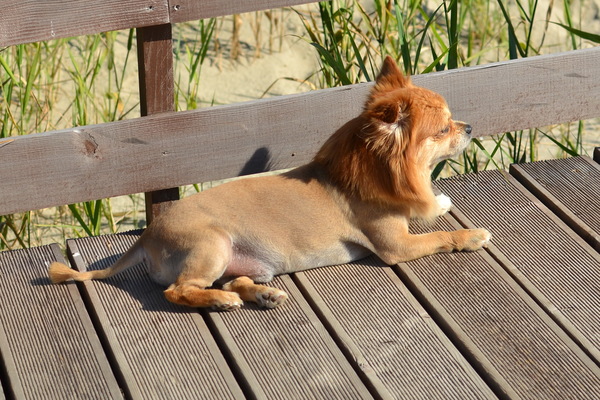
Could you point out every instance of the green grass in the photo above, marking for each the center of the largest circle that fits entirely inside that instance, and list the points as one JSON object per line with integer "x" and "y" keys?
{"x": 93, "y": 79}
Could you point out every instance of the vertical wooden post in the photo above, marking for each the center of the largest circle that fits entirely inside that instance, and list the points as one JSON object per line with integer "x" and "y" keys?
{"x": 157, "y": 88}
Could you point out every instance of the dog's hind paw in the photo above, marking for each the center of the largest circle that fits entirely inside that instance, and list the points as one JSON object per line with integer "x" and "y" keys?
{"x": 264, "y": 296}
{"x": 231, "y": 304}
{"x": 270, "y": 297}
{"x": 444, "y": 203}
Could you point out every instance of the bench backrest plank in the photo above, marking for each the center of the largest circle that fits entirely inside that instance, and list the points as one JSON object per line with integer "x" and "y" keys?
{"x": 177, "y": 148}
{"x": 189, "y": 10}
{"x": 26, "y": 21}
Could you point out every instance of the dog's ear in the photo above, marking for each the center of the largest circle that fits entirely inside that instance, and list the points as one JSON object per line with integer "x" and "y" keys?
{"x": 388, "y": 112}
{"x": 391, "y": 74}
{"x": 389, "y": 108}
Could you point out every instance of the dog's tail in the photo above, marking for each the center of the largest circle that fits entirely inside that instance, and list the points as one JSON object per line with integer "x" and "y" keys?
{"x": 60, "y": 272}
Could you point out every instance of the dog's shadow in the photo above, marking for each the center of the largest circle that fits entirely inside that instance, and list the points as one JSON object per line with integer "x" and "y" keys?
{"x": 260, "y": 161}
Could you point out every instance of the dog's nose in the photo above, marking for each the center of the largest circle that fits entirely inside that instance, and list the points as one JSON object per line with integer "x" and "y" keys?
{"x": 468, "y": 129}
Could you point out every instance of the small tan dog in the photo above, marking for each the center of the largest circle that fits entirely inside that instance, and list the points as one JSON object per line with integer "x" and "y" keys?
{"x": 355, "y": 198}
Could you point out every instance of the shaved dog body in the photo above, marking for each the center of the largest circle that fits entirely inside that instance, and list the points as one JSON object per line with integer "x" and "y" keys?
{"x": 355, "y": 198}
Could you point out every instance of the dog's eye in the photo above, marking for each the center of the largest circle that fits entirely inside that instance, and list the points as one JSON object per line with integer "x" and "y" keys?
{"x": 445, "y": 130}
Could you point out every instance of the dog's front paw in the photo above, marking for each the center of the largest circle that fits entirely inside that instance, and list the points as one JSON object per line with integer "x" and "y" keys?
{"x": 444, "y": 203}
{"x": 473, "y": 239}
{"x": 270, "y": 297}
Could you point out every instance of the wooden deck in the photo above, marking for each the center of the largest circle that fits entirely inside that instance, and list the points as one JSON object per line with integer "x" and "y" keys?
{"x": 519, "y": 320}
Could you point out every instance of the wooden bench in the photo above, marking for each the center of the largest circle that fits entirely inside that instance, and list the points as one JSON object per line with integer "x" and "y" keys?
{"x": 519, "y": 320}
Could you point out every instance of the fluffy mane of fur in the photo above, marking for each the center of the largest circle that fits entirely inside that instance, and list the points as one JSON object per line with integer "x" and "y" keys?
{"x": 375, "y": 156}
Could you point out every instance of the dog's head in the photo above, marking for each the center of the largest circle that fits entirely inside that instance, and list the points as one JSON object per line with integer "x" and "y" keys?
{"x": 411, "y": 120}
{"x": 386, "y": 154}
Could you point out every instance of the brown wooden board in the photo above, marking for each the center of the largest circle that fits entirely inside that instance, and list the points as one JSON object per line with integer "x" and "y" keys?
{"x": 570, "y": 188}
{"x": 393, "y": 342}
{"x": 157, "y": 93}
{"x": 188, "y": 10}
{"x": 286, "y": 353}
{"x": 511, "y": 340}
{"x": 171, "y": 149}
{"x": 138, "y": 156}
{"x": 159, "y": 350}
{"x": 48, "y": 346}
{"x": 24, "y": 21}
{"x": 558, "y": 268}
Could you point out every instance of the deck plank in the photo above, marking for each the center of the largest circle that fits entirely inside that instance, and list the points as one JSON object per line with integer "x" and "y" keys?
{"x": 47, "y": 341}
{"x": 379, "y": 324}
{"x": 570, "y": 188}
{"x": 160, "y": 350}
{"x": 555, "y": 265}
{"x": 515, "y": 345}
{"x": 286, "y": 353}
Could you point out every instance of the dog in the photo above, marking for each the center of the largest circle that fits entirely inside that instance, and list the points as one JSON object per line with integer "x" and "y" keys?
{"x": 354, "y": 198}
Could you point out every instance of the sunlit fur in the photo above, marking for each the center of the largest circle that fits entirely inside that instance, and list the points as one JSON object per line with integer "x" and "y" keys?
{"x": 386, "y": 154}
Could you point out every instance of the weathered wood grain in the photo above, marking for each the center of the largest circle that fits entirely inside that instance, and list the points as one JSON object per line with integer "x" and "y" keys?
{"x": 49, "y": 348}
{"x": 159, "y": 350}
{"x": 188, "y": 10}
{"x": 173, "y": 149}
{"x": 25, "y": 21}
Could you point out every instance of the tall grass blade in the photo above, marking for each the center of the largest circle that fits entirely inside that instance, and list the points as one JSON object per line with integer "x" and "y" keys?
{"x": 592, "y": 37}
{"x": 513, "y": 43}
{"x": 337, "y": 67}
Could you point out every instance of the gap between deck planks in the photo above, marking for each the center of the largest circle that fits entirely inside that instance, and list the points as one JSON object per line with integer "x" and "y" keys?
{"x": 158, "y": 350}
{"x": 570, "y": 188}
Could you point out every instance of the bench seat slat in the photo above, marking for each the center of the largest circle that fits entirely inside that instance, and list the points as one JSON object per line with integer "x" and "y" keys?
{"x": 161, "y": 350}
{"x": 512, "y": 340}
{"x": 47, "y": 340}
{"x": 287, "y": 353}
{"x": 395, "y": 343}
{"x": 558, "y": 267}
{"x": 570, "y": 188}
